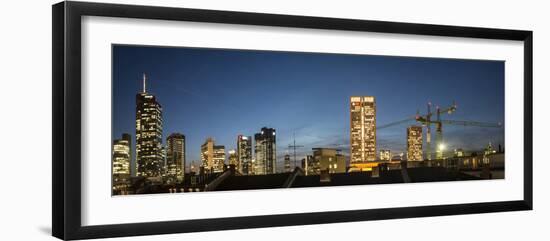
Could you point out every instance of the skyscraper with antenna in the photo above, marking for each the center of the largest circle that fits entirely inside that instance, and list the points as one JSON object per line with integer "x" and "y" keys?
{"x": 149, "y": 154}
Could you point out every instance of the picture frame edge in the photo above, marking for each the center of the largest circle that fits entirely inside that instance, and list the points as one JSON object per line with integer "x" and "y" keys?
{"x": 66, "y": 109}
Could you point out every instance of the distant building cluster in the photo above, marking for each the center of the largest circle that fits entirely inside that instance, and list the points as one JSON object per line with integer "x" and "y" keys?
{"x": 166, "y": 164}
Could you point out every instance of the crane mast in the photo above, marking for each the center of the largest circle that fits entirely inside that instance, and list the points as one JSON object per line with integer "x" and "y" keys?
{"x": 294, "y": 146}
{"x": 427, "y": 121}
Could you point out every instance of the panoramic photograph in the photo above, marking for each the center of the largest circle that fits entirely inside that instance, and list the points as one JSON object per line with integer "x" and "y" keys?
{"x": 204, "y": 119}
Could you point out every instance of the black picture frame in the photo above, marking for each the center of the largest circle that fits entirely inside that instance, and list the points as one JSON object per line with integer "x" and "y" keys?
{"x": 66, "y": 127}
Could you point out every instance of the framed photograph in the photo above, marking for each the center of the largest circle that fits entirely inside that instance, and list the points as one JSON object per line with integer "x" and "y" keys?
{"x": 170, "y": 120}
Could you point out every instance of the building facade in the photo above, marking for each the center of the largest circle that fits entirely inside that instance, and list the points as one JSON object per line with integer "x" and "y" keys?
{"x": 265, "y": 151}
{"x": 244, "y": 155}
{"x": 414, "y": 143}
{"x": 232, "y": 159}
{"x": 385, "y": 155}
{"x": 287, "y": 163}
{"x": 330, "y": 160}
{"x": 175, "y": 156}
{"x": 458, "y": 152}
{"x": 121, "y": 158}
{"x": 310, "y": 165}
{"x": 149, "y": 156}
{"x": 212, "y": 156}
{"x": 362, "y": 129}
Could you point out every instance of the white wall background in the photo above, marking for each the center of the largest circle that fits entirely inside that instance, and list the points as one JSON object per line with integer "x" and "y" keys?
{"x": 25, "y": 119}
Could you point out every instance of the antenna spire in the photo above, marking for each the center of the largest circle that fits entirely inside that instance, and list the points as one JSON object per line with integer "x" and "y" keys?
{"x": 144, "y": 83}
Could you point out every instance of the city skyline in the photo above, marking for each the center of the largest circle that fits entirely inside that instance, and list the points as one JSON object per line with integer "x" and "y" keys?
{"x": 318, "y": 103}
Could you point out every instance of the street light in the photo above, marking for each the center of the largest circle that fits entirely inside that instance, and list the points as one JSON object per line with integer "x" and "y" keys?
{"x": 441, "y": 149}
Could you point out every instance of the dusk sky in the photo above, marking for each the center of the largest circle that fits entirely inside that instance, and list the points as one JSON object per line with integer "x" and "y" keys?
{"x": 222, "y": 93}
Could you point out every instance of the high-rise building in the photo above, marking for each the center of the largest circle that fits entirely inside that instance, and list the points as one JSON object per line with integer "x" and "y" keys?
{"x": 362, "y": 129}
{"x": 218, "y": 158}
{"x": 212, "y": 156}
{"x": 385, "y": 155}
{"x": 310, "y": 166}
{"x": 122, "y": 155}
{"x": 330, "y": 160}
{"x": 163, "y": 168}
{"x": 175, "y": 156}
{"x": 287, "y": 163}
{"x": 149, "y": 156}
{"x": 244, "y": 154}
{"x": 252, "y": 167}
{"x": 233, "y": 160}
{"x": 265, "y": 150}
{"x": 414, "y": 143}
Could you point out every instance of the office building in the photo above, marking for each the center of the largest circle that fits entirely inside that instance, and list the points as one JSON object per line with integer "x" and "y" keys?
{"x": 385, "y": 155}
{"x": 414, "y": 143}
{"x": 265, "y": 151}
{"x": 362, "y": 129}
{"x": 232, "y": 159}
{"x": 175, "y": 156}
{"x": 121, "y": 158}
{"x": 212, "y": 156}
{"x": 287, "y": 163}
{"x": 244, "y": 155}
{"x": 329, "y": 160}
{"x": 149, "y": 156}
{"x": 310, "y": 165}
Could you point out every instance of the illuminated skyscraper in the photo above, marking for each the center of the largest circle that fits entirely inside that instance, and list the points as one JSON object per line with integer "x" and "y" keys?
{"x": 287, "y": 163}
{"x": 362, "y": 129}
{"x": 233, "y": 160}
{"x": 244, "y": 154}
{"x": 218, "y": 158}
{"x": 414, "y": 143}
{"x": 265, "y": 150}
{"x": 385, "y": 155}
{"x": 212, "y": 156}
{"x": 122, "y": 156}
{"x": 149, "y": 156}
{"x": 175, "y": 156}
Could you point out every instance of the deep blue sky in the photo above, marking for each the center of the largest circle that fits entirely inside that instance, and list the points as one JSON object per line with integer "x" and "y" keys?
{"x": 222, "y": 93}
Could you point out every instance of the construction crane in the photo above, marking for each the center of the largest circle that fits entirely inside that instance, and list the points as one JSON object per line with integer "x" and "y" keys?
{"x": 409, "y": 119}
{"x": 448, "y": 110}
{"x": 294, "y": 146}
{"x": 471, "y": 123}
{"x": 427, "y": 120}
